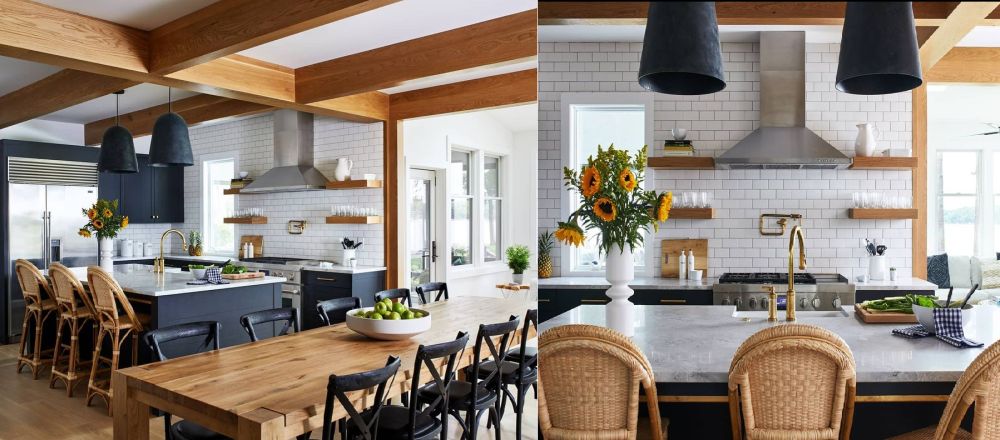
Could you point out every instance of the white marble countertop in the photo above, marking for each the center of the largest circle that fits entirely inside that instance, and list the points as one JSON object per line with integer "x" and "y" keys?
{"x": 899, "y": 284}
{"x": 706, "y": 284}
{"x": 140, "y": 280}
{"x": 695, "y": 344}
{"x": 336, "y": 268}
{"x": 200, "y": 259}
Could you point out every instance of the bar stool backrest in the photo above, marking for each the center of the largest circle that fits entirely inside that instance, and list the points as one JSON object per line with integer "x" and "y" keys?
{"x": 69, "y": 291}
{"x": 980, "y": 384}
{"x": 34, "y": 287}
{"x": 108, "y": 296}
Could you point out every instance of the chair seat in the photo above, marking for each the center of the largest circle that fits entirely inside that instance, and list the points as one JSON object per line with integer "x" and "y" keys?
{"x": 514, "y": 354}
{"x": 508, "y": 372}
{"x": 47, "y": 304}
{"x": 79, "y": 314}
{"x": 928, "y": 434}
{"x": 459, "y": 394}
{"x": 394, "y": 423}
{"x": 185, "y": 430}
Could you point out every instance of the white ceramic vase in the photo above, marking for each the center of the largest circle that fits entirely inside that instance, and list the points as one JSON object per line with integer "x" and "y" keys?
{"x": 866, "y": 143}
{"x": 620, "y": 312}
{"x": 105, "y": 251}
{"x": 877, "y": 268}
{"x": 343, "y": 170}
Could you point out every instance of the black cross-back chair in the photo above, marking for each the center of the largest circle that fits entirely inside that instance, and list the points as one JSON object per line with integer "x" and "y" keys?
{"x": 519, "y": 370}
{"x": 362, "y": 424}
{"x": 402, "y": 294}
{"x": 478, "y": 397}
{"x": 334, "y": 311}
{"x": 288, "y": 315}
{"x": 410, "y": 422}
{"x": 436, "y": 289}
{"x": 185, "y": 430}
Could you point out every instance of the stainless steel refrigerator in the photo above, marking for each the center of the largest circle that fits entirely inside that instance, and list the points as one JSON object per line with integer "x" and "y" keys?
{"x": 45, "y": 213}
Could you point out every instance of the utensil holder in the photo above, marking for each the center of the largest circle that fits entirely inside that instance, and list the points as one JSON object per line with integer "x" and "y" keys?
{"x": 349, "y": 255}
{"x": 877, "y": 268}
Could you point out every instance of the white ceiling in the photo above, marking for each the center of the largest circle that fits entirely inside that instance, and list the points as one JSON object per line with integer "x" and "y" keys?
{"x": 982, "y": 36}
{"x": 465, "y": 75}
{"x": 387, "y": 25}
{"x": 135, "y": 98}
{"x": 634, "y": 33}
{"x": 516, "y": 118}
{"x": 15, "y": 73}
{"x": 139, "y": 14}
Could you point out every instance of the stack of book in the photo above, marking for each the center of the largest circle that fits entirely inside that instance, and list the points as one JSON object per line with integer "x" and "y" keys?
{"x": 239, "y": 183}
{"x": 678, "y": 148}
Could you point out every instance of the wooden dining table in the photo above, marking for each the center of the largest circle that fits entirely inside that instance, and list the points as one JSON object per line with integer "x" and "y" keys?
{"x": 276, "y": 388}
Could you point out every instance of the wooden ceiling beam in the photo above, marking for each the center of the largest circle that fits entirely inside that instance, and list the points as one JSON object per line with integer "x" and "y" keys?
{"x": 56, "y": 92}
{"x": 961, "y": 21}
{"x": 494, "y": 42}
{"x": 229, "y": 26}
{"x": 967, "y": 65}
{"x": 493, "y": 91}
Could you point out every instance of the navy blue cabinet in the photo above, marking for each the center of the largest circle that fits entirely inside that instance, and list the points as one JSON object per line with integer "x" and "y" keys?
{"x": 320, "y": 286}
{"x": 152, "y": 195}
{"x": 554, "y": 302}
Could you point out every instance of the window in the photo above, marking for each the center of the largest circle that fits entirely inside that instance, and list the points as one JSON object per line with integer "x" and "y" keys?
{"x": 492, "y": 209}
{"x": 219, "y": 238}
{"x": 460, "y": 194}
{"x": 957, "y": 201}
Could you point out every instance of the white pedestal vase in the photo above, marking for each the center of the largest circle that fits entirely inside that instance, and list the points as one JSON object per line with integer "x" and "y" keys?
{"x": 106, "y": 250}
{"x": 620, "y": 312}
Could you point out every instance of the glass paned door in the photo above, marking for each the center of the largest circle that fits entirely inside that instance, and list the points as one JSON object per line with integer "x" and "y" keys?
{"x": 422, "y": 245}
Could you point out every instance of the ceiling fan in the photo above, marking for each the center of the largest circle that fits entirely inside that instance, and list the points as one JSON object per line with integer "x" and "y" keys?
{"x": 995, "y": 127}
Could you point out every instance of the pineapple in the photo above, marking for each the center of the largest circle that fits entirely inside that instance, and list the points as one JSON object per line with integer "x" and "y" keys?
{"x": 545, "y": 244}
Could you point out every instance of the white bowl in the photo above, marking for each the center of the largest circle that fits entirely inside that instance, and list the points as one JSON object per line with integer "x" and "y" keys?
{"x": 199, "y": 274}
{"x": 925, "y": 315}
{"x": 388, "y": 329}
{"x": 244, "y": 174}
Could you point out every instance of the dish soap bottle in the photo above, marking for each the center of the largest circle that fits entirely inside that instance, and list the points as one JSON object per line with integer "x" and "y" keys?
{"x": 682, "y": 272}
{"x": 690, "y": 261}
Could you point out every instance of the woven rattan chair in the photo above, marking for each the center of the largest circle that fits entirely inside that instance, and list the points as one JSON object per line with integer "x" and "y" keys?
{"x": 613, "y": 369}
{"x": 980, "y": 384}
{"x": 39, "y": 306}
{"x": 75, "y": 312}
{"x": 792, "y": 382}
{"x": 113, "y": 327}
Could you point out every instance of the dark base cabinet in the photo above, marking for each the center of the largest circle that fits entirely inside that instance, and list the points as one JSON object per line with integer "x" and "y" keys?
{"x": 554, "y": 302}
{"x": 320, "y": 286}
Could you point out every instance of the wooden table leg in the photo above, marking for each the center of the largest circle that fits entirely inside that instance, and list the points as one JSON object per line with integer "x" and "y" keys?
{"x": 261, "y": 424}
{"x": 131, "y": 415}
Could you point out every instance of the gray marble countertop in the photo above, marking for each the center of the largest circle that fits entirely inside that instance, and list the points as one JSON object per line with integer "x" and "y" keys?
{"x": 695, "y": 344}
{"x": 706, "y": 284}
{"x": 140, "y": 280}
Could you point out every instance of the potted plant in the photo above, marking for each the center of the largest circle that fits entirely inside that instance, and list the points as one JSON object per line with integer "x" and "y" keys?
{"x": 614, "y": 203}
{"x": 103, "y": 219}
{"x": 195, "y": 244}
{"x": 517, "y": 260}
{"x": 545, "y": 244}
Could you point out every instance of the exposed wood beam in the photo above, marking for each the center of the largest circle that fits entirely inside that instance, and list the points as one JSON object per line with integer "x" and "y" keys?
{"x": 502, "y": 40}
{"x": 967, "y": 65}
{"x": 960, "y": 22}
{"x": 194, "y": 110}
{"x": 919, "y": 144}
{"x": 923, "y": 33}
{"x": 229, "y": 26}
{"x": 56, "y": 92}
{"x": 391, "y": 146}
{"x": 493, "y": 91}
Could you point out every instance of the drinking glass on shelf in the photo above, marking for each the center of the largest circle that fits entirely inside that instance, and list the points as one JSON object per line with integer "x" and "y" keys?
{"x": 703, "y": 200}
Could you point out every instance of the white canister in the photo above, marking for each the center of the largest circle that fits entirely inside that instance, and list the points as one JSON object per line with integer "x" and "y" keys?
{"x": 127, "y": 247}
{"x": 149, "y": 250}
{"x": 877, "y": 269}
{"x": 138, "y": 248}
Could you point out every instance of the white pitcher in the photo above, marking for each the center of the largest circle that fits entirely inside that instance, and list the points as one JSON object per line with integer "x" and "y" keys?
{"x": 867, "y": 141}
{"x": 343, "y": 171}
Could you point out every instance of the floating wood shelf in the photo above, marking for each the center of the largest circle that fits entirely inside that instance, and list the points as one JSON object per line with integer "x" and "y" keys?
{"x": 882, "y": 214}
{"x": 360, "y": 220}
{"x": 231, "y": 191}
{"x": 246, "y": 220}
{"x": 884, "y": 163}
{"x": 354, "y": 184}
{"x": 682, "y": 163}
{"x": 692, "y": 213}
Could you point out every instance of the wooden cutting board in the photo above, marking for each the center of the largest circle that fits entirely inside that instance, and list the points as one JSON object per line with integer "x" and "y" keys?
{"x": 242, "y": 276}
{"x": 670, "y": 251}
{"x": 258, "y": 245}
{"x": 875, "y": 317}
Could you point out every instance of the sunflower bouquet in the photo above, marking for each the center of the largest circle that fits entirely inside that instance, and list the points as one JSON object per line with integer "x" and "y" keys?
{"x": 103, "y": 220}
{"x": 613, "y": 200}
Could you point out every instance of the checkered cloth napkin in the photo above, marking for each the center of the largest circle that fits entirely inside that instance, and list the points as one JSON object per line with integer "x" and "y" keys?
{"x": 212, "y": 276}
{"x": 948, "y": 326}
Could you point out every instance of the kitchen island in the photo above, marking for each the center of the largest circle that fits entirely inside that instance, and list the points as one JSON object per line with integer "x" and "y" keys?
{"x": 902, "y": 383}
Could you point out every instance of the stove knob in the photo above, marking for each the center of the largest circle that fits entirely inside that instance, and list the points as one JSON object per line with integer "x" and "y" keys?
{"x": 291, "y": 276}
{"x": 753, "y": 303}
{"x": 816, "y": 303}
{"x": 739, "y": 302}
{"x": 764, "y": 303}
{"x": 803, "y": 303}
{"x": 836, "y": 302}
{"x": 725, "y": 301}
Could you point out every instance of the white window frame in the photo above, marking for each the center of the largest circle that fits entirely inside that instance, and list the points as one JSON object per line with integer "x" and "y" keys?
{"x": 501, "y": 191}
{"x": 203, "y": 208}
{"x": 566, "y": 202}
{"x": 474, "y": 253}
{"x": 985, "y": 199}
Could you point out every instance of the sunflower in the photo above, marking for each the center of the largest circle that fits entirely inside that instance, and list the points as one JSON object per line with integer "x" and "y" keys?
{"x": 569, "y": 233}
{"x": 626, "y": 179}
{"x": 605, "y": 209}
{"x": 107, "y": 213}
{"x": 663, "y": 207}
{"x": 91, "y": 213}
{"x": 590, "y": 182}
{"x": 84, "y": 233}
{"x": 124, "y": 222}
{"x": 98, "y": 224}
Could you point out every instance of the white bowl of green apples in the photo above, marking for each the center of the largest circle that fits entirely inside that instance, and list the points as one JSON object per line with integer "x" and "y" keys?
{"x": 389, "y": 321}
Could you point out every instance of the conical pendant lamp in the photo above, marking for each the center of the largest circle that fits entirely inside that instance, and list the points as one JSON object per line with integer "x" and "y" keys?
{"x": 878, "y": 49}
{"x": 117, "y": 149}
{"x": 170, "y": 145}
{"x": 681, "y": 54}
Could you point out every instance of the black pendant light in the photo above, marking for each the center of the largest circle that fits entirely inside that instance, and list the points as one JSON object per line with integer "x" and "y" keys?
{"x": 878, "y": 49}
{"x": 117, "y": 149}
{"x": 170, "y": 145}
{"x": 680, "y": 52}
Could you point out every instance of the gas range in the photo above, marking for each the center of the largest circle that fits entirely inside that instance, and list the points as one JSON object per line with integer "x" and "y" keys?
{"x": 820, "y": 292}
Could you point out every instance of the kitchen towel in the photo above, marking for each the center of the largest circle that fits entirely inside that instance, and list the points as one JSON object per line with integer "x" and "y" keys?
{"x": 212, "y": 276}
{"x": 948, "y": 323}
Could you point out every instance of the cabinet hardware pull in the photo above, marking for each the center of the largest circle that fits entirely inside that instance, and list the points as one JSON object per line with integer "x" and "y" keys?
{"x": 325, "y": 279}
{"x": 673, "y": 301}
{"x": 543, "y": 300}
{"x": 593, "y": 301}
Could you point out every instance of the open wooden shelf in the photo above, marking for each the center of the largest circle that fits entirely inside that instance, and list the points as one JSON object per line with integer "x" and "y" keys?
{"x": 692, "y": 213}
{"x": 682, "y": 163}
{"x": 231, "y": 191}
{"x": 353, "y": 184}
{"x": 883, "y": 163}
{"x": 360, "y": 220}
{"x": 245, "y": 220}
{"x": 882, "y": 214}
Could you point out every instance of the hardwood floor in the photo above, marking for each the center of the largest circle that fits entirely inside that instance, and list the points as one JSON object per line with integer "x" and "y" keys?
{"x": 29, "y": 410}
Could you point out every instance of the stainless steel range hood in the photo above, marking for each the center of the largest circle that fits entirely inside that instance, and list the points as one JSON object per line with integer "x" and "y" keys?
{"x": 293, "y": 157}
{"x": 782, "y": 141}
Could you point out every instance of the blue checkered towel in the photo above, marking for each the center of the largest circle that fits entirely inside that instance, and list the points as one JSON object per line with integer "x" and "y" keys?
{"x": 948, "y": 326}
{"x": 212, "y": 276}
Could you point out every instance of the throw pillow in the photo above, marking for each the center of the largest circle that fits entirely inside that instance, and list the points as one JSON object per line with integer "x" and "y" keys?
{"x": 937, "y": 271}
{"x": 991, "y": 275}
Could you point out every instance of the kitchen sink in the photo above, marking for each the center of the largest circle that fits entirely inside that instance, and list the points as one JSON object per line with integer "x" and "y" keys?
{"x": 762, "y": 314}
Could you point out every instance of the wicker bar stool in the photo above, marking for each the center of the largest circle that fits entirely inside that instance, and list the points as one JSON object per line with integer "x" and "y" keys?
{"x": 112, "y": 327}
{"x": 980, "y": 384}
{"x": 792, "y": 382}
{"x": 39, "y": 306}
{"x": 75, "y": 312}
{"x": 613, "y": 369}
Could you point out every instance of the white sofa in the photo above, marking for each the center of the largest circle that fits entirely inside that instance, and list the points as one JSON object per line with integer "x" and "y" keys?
{"x": 965, "y": 272}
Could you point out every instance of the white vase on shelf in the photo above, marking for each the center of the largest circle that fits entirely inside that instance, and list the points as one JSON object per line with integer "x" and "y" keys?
{"x": 867, "y": 141}
{"x": 105, "y": 251}
{"x": 620, "y": 270}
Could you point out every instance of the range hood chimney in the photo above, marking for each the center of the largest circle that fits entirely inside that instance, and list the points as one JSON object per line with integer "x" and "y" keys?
{"x": 293, "y": 157}
{"x": 783, "y": 141}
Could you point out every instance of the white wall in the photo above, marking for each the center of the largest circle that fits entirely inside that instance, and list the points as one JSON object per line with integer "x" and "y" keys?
{"x": 38, "y": 130}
